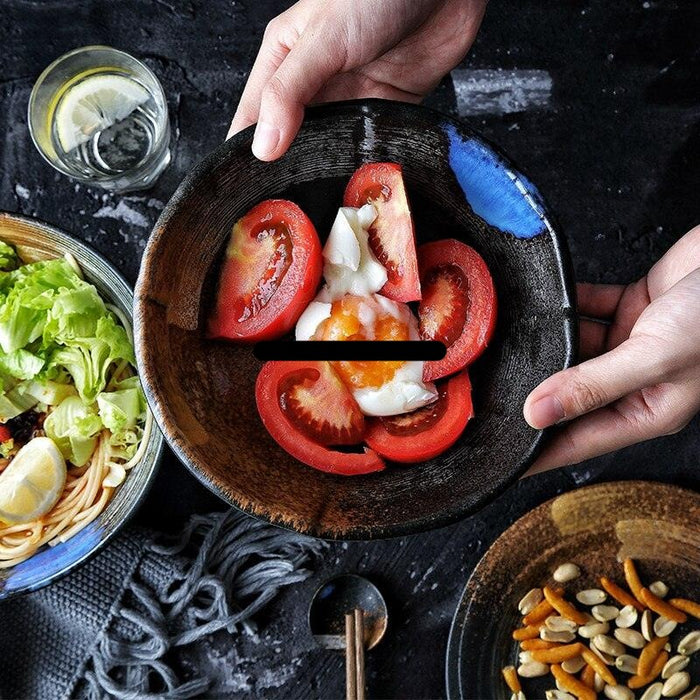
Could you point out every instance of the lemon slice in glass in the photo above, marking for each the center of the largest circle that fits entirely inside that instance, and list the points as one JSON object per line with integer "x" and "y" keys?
{"x": 33, "y": 481}
{"x": 94, "y": 104}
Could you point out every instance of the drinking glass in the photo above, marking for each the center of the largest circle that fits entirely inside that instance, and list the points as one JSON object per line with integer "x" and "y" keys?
{"x": 100, "y": 116}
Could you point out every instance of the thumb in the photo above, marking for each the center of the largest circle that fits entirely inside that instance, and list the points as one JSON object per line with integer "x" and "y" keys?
{"x": 303, "y": 72}
{"x": 568, "y": 394}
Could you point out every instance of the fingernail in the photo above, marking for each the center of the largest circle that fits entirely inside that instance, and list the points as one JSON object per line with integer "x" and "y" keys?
{"x": 265, "y": 140}
{"x": 545, "y": 412}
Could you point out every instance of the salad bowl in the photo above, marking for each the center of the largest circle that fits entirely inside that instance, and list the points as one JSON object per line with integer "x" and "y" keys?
{"x": 34, "y": 241}
{"x": 202, "y": 391}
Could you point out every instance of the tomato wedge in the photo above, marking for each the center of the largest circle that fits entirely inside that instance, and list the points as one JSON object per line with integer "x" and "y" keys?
{"x": 428, "y": 431}
{"x": 306, "y": 409}
{"x": 271, "y": 272}
{"x": 458, "y": 305}
{"x": 391, "y": 236}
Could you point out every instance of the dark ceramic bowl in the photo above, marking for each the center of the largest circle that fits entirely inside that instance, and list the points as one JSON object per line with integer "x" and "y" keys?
{"x": 202, "y": 392}
{"x": 597, "y": 527}
{"x": 34, "y": 241}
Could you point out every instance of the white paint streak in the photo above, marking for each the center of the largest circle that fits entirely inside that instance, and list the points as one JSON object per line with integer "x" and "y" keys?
{"x": 277, "y": 677}
{"x": 427, "y": 573}
{"x": 497, "y": 91}
{"x": 22, "y": 191}
{"x": 122, "y": 212}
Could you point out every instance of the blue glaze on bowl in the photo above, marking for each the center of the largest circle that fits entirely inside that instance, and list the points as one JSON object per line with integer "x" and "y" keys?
{"x": 487, "y": 182}
{"x": 31, "y": 573}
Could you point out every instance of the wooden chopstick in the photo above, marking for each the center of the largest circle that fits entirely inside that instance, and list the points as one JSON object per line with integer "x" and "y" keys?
{"x": 350, "y": 658}
{"x": 360, "y": 654}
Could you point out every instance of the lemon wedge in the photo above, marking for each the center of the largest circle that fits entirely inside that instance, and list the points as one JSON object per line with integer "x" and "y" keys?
{"x": 33, "y": 481}
{"x": 94, "y": 104}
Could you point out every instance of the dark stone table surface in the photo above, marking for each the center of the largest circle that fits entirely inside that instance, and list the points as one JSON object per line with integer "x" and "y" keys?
{"x": 615, "y": 148}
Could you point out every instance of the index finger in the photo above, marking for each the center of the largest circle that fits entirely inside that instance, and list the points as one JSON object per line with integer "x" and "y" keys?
{"x": 270, "y": 56}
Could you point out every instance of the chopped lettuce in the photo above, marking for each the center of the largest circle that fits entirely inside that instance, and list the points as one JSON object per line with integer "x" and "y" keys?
{"x": 8, "y": 257}
{"x": 121, "y": 412}
{"x": 74, "y": 425}
{"x": 74, "y": 315}
{"x": 15, "y": 402}
{"x": 120, "y": 409}
{"x": 89, "y": 359}
{"x": 59, "y": 346}
{"x": 49, "y": 393}
{"x": 30, "y": 292}
{"x": 21, "y": 364}
{"x": 6, "y": 448}
{"x": 124, "y": 443}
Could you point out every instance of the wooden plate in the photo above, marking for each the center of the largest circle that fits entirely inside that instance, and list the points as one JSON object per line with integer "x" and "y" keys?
{"x": 657, "y": 525}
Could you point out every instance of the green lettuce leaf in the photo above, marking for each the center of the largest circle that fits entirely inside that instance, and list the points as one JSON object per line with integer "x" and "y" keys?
{"x": 21, "y": 364}
{"x": 74, "y": 315}
{"x": 15, "y": 401}
{"x": 125, "y": 442}
{"x": 121, "y": 412}
{"x": 121, "y": 409}
{"x": 88, "y": 359}
{"x": 49, "y": 392}
{"x": 29, "y": 294}
{"x": 74, "y": 425}
{"x": 8, "y": 257}
{"x": 6, "y": 448}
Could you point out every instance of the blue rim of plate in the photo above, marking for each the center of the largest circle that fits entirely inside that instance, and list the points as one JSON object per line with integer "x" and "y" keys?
{"x": 51, "y": 563}
{"x": 542, "y": 222}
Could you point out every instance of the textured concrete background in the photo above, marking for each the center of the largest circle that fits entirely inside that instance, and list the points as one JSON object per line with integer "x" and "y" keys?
{"x": 598, "y": 102}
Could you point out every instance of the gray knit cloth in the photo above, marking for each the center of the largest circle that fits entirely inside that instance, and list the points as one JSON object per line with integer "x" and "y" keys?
{"x": 112, "y": 628}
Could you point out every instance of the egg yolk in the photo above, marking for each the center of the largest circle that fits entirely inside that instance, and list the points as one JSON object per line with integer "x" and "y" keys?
{"x": 363, "y": 318}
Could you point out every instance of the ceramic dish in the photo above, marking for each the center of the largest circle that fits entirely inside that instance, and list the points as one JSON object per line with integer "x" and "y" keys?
{"x": 35, "y": 240}
{"x": 596, "y": 527}
{"x": 202, "y": 392}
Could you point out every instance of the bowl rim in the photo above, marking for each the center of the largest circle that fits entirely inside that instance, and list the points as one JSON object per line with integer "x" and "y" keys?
{"x": 84, "y": 251}
{"x": 361, "y": 107}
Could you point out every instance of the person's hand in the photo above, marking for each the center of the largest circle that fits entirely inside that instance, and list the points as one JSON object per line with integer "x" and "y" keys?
{"x": 643, "y": 376}
{"x": 321, "y": 51}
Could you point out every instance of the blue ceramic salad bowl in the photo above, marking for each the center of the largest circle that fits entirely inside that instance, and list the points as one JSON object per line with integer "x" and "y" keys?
{"x": 38, "y": 241}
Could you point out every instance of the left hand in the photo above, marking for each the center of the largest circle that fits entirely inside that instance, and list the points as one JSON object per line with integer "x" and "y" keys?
{"x": 641, "y": 377}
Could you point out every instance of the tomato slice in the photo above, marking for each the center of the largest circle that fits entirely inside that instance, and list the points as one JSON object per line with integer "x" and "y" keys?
{"x": 306, "y": 408}
{"x": 270, "y": 274}
{"x": 5, "y": 433}
{"x": 428, "y": 431}
{"x": 391, "y": 236}
{"x": 458, "y": 305}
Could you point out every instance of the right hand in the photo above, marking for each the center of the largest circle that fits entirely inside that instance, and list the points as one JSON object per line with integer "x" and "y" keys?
{"x": 321, "y": 51}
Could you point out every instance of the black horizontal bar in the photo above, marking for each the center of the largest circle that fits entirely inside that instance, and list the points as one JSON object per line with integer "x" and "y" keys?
{"x": 352, "y": 351}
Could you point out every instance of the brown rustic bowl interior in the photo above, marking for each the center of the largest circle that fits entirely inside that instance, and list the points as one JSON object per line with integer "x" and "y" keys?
{"x": 202, "y": 392}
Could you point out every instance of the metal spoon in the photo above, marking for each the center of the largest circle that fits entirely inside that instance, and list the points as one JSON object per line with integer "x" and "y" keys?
{"x": 337, "y": 598}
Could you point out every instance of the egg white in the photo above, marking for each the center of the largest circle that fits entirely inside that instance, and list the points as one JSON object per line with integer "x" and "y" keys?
{"x": 350, "y": 267}
{"x": 404, "y": 392}
{"x": 312, "y": 317}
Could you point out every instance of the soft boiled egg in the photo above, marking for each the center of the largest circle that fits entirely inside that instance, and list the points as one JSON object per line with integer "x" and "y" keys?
{"x": 381, "y": 388}
{"x": 349, "y": 308}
